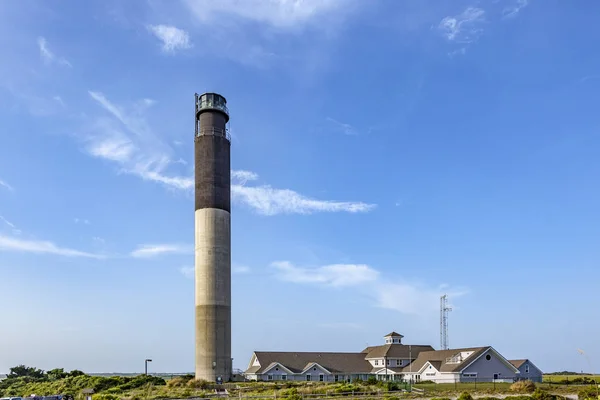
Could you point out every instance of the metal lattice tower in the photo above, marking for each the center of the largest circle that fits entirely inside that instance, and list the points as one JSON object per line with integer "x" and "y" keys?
{"x": 444, "y": 309}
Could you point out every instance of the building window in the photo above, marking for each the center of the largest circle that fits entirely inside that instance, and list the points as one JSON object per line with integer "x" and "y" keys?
{"x": 488, "y": 357}
{"x": 283, "y": 377}
{"x": 527, "y": 369}
{"x": 277, "y": 369}
{"x": 270, "y": 377}
{"x": 321, "y": 377}
{"x": 398, "y": 362}
{"x": 388, "y": 363}
{"x": 308, "y": 377}
{"x": 470, "y": 374}
{"x": 336, "y": 378}
{"x": 376, "y": 362}
{"x": 314, "y": 369}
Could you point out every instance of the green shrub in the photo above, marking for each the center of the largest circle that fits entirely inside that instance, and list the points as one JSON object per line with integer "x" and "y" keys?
{"x": 372, "y": 381}
{"x": 465, "y": 396}
{"x": 588, "y": 393}
{"x": 198, "y": 384}
{"x": 523, "y": 387}
{"x": 441, "y": 398}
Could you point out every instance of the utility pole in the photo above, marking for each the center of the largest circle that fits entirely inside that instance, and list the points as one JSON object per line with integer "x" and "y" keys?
{"x": 146, "y": 361}
{"x": 444, "y": 308}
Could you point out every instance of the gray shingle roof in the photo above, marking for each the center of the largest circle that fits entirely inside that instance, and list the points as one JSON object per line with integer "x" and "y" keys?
{"x": 298, "y": 361}
{"x": 517, "y": 363}
{"x": 396, "y": 351}
{"x": 438, "y": 359}
{"x": 393, "y": 334}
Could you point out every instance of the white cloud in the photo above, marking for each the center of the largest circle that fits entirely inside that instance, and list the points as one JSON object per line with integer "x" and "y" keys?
{"x": 336, "y": 275}
{"x": 276, "y": 13}
{"x": 128, "y": 141}
{"x": 242, "y": 176}
{"x": 346, "y": 129}
{"x": 464, "y": 27}
{"x": 240, "y": 269}
{"x": 48, "y": 56}
{"x": 404, "y": 297}
{"x": 5, "y": 185}
{"x": 98, "y": 240}
{"x": 82, "y": 221}
{"x": 514, "y": 9}
{"x": 154, "y": 250}
{"x": 42, "y": 247}
{"x": 10, "y": 225}
{"x": 172, "y": 38}
{"x": 269, "y": 201}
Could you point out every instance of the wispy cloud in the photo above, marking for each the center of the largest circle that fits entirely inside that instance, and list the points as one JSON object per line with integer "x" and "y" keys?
{"x": 48, "y": 56}
{"x": 172, "y": 38}
{"x": 270, "y": 201}
{"x": 240, "y": 269}
{"x": 276, "y": 13}
{"x": 127, "y": 140}
{"x": 82, "y": 221}
{"x": 346, "y": 129}
{"x": 405, "y": 297}
{"x": 15, "y": 230}
{"x": 514, "y": 9}
{"x": 41, "y": 247}
{"x": 242, "y": 176}
{"x": 5, "y": 185}
{"x": 155, "y": 250}
{"x": 464, "y": 27}
{"x": 335, "y": 275}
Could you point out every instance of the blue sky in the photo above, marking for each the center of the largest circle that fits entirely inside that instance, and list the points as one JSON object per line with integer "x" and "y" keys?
{"x": 384, "y": 153}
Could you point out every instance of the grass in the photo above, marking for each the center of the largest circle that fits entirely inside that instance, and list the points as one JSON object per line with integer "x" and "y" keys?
{"x": 112, "y": 387}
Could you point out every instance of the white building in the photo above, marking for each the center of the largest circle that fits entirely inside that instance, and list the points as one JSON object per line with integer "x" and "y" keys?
{"x": 392, "y": 361}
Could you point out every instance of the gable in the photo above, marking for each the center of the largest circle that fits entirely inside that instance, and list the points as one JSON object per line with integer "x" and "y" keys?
{"x": 489, "y": 363}
{"x": 276, "y": 368}
{"x": 315, "y": 368}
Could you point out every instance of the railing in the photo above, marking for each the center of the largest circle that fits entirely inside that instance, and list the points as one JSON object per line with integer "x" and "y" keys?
{"x": 454, "y": 360}
{"x": 208, "y": 131}
{"x": 212, "y": 105}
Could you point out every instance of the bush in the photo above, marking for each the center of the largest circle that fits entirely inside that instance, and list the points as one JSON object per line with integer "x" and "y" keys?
{"x": 179, "y": 381}
{"x": 372, "y": 381}
{"x": 589, "y": 393}
{"x": 465, "y": 396}
{"x": 441, "y": 398}
{"x": 523, "y": 387}
{"x": 198, "y": 384}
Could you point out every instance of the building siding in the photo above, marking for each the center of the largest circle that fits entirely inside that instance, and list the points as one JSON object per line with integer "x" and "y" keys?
{"x": 486, "y": 369}
{"x": 534, "y": 374}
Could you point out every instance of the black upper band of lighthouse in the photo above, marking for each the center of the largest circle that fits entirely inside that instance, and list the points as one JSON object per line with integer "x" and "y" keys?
{"x": 212, "y": 153}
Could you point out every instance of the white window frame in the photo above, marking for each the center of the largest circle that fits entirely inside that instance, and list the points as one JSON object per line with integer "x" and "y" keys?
{"x": 321, "y": 377}
{"x": 308, "y": 377}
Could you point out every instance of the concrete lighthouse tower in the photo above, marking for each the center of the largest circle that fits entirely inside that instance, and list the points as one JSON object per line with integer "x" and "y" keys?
{"x": 212, "y": 238}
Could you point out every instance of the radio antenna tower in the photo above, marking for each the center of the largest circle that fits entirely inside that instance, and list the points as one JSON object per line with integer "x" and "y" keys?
{"x": 444, "y": 308}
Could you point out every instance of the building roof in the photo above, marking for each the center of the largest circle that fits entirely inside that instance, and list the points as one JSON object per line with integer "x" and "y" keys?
{"x": 393, "y": 334}
{"x": 298, "y": 361}
{"x": 396, "y": 351}
{"x": 517, "y": 363}
{"x": 439, "y": 358}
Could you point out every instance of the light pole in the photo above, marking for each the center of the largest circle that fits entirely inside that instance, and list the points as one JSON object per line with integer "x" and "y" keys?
{"x": 146, "y": 361}
{"x": 410, "y": 368}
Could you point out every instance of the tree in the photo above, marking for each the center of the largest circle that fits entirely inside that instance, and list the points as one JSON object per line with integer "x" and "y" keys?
{"x": 56, "y": 374}
{"x": 23, "y": 371}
